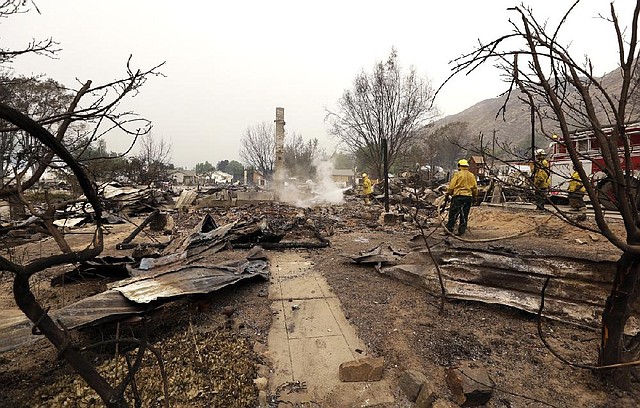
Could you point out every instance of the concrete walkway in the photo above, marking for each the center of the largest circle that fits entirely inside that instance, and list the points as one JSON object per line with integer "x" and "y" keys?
{"x": 309, "y": 339}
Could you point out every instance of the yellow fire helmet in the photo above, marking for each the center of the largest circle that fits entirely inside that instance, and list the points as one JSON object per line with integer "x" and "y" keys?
{"x": 463, "y": 163}
{"x": 364, "y": 174}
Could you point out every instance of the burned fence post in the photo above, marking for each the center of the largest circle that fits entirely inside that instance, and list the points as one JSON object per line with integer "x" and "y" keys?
{"x": 136, "y": 231}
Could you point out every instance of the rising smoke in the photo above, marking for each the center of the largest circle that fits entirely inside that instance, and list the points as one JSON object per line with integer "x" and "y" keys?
{"x": 321, "y": 190}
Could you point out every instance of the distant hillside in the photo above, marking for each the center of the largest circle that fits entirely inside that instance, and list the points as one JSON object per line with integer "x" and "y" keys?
{"x": 515, "y": 126}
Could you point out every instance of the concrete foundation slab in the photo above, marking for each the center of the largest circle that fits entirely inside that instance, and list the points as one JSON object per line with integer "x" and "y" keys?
{"x": 309, "y": 319}
{"x": 250, "y": 196}
{"x": 309, "y": 339}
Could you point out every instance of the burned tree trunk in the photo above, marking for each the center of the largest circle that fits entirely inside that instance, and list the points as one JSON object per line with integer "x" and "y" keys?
{"x": 16, "y": 207}
{"x": 614, "y": 319}
{"x": 59, "y": 338}
{"x": 111, "y": 396}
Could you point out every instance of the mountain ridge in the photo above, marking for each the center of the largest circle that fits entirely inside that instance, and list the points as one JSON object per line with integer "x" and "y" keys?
{"x": 513, "y": 126}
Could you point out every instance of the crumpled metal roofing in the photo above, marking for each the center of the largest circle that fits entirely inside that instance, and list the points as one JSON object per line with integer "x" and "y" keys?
{"x": 188, "y": 280}
{"x": 191, "y": 271}
{"x": 15, "y": 327}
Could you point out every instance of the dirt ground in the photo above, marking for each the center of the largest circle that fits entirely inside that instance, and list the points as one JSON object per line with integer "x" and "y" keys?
{"x": 211, "y": 360}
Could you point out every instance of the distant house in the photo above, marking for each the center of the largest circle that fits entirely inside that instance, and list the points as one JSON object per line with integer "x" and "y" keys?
{"x": 253, "y": 177}
{"x": 50, "y": 177}
{"x": 259, "y": 179}
{"x": 343, "y": 177}
{"x": 221, "y": 177}
{"x": 184, "y": 177}
{"x": 478, "y": 167}
{"x": 53, "y": 176}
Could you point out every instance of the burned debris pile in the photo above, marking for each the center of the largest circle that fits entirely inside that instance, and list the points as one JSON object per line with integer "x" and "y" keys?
{"x": 192, "y": 269}
{"x": 186, "y": 262}
{"x": 182, "y": 238}
{"x": 508, "y": 275}
{"x": 119, "y": 204}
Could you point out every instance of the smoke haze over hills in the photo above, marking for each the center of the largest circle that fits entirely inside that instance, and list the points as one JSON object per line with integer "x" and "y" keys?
{"x": 514, "y": 126}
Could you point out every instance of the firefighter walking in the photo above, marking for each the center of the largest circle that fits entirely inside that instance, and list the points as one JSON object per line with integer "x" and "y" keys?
{"x": 367, "y": 188}
{"x": 541, "y": 179}
{"x": 463, "y": 190}
{"x": 576, "y": 192}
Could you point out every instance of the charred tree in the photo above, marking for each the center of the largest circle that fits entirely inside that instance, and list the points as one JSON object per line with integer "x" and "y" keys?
{"x": 23, "y": 295}
{"x": 563, "y": 90}
{"x": 41, "y": 141}
{"x": 384, "y": 104}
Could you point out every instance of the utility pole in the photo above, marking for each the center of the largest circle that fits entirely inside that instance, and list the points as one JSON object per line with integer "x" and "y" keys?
{"x": 386, "y": 174}
{"x": 533, "y": 131}
{"x": 533, "y": 111}
{"x": 493, "y": 150}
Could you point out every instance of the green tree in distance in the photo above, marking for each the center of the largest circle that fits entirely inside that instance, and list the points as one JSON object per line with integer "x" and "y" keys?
{"x": 222, "y": 165}
{"x": 236, "y": 169}
{"x": 204, "y": 168}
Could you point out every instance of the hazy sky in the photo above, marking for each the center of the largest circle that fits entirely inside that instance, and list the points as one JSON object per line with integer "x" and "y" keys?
{"x": 230, "y": 64}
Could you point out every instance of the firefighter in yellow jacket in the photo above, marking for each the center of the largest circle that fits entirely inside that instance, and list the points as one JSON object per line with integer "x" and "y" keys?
{"x": 367, "y": 188}
{"x": 463, "y": 189}
{"x": 541, "y": 179}
{"x": 576, "y": 192}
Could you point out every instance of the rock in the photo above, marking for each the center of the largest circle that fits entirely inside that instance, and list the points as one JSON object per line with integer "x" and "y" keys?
{"x": 228, "y": 310}
{"x": 262, "y": 399}
{"x": 259, "y": 347}
{"x": 594, "y": 237}
{"x": 410, "y": 383}
{"x": 579, "y": 241}
{"x": 427, "y": 396}
{"x": 388, "y": 218}
{"x": 470, "y": 384}
{"x": 364, "y": 369}
{"x": 440, "y": 403}
{"x": 262, "y": 370}
{"x": 261, "y": 383}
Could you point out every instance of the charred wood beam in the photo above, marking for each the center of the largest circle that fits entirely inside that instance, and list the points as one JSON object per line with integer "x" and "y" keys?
{"x": 139, "y": 228}
{"x": 280, "y": 245}
{"x": 159, "y": 245}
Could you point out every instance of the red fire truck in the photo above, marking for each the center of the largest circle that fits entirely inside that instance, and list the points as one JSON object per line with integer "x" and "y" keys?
{"x": 588, "y": 149}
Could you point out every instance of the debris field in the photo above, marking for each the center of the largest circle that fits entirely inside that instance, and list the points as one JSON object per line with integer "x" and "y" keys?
{"x": 194, "y": 281}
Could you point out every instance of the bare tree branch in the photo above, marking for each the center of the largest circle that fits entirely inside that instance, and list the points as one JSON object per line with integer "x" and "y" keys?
{"x": 385, "y": 104}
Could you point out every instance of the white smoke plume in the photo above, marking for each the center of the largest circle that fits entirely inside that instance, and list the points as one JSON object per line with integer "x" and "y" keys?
{"x": 321, "y": 190}
{"x": 326, "y": 189}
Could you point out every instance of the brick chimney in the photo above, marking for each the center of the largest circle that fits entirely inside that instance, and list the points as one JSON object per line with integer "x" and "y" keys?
{"x": 278, "y": 176}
